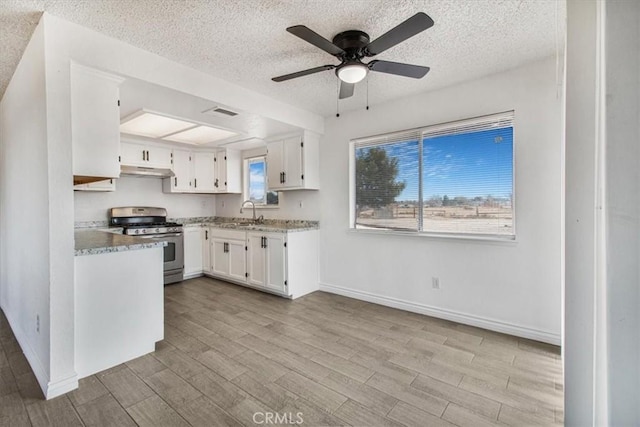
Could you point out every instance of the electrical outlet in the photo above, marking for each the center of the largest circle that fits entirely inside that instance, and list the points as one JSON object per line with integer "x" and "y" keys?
{"x": 37, "y": 323}
{"x": 435, "y": 283}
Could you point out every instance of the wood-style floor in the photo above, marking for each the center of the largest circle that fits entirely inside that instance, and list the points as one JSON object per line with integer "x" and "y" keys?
{"x": 231, "y": 352}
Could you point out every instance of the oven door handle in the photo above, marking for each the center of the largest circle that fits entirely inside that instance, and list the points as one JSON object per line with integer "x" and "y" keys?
{"x": 163, "y": 236}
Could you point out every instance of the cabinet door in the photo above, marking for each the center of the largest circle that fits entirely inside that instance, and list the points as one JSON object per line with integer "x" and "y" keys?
{"x": 219, "y": 257}
{"x": 276, "y": 262}
{"x": 133, "y": 154}
{"x": 158, "y": 157}
{"x": 192, "y": 250}
{"x": 181, "y": 182}
{"x": 292, "y": 150}
{"x": 275, "y": 165}
{"x": 237, "y": 259}
{"x": 206, "y": 250}
{"x": 95, "y": 122}
{"x": 220, "y": 182}
{"x": 203, "y": 172}
{"x": 256, "y": 259}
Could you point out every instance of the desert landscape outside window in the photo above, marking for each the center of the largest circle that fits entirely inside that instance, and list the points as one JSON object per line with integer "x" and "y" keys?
{"x": 449, "y": 179}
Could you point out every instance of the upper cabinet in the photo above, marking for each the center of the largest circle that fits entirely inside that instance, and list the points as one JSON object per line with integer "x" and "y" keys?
{"x": 228, "y": 171}
{"x": 293, "y": 163}
{"x": 145, "y": 155}
{"x": 95, "y": 121}
{"x": 205, "y": 172}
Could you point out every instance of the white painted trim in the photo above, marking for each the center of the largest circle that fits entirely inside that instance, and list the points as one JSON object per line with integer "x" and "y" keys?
{"x": 49, "y": 389}
{"x": 58, "y": 388}
{"x": 191, "y": 276}
{"x": 455, "y": 316}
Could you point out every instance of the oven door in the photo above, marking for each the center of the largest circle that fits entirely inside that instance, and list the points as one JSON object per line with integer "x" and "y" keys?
{"x": 173, "y": 255}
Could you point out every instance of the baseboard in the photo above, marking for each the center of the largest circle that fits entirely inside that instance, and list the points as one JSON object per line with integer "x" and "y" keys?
{"x": 192, "y": 276}
{"x": 61, "y": 387}
{"x": 455, "y": 316}
{"x": 49, "y": 389}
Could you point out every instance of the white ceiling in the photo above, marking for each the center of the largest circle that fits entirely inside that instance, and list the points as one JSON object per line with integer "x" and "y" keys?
{"x": 245, "y": 42}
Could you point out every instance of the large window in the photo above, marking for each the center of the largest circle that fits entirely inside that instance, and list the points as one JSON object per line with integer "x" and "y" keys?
{"x": 256, "y": 183}
{"x": 455, "y": 179}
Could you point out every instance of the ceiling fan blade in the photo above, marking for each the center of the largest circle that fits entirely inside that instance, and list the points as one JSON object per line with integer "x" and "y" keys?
{"x": 315, "y": 39}
{"x": 399, "y": 69}
{"x": 303, "y": 73}
{"x": 409, "y": 28}
{"x": 346, "y": 90}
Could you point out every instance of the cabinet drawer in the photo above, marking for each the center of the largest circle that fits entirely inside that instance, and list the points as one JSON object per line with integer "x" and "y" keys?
{"x": 228, "y": 234}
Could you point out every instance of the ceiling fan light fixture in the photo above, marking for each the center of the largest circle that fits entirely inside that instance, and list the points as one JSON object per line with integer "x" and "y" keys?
{"x": 352, "y": 72}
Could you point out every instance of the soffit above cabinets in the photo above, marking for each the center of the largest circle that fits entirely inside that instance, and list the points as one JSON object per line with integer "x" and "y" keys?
{"x": 249, "y": 130}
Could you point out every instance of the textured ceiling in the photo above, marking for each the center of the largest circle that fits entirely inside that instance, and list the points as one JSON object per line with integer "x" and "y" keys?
{"x": 245, "y": 42}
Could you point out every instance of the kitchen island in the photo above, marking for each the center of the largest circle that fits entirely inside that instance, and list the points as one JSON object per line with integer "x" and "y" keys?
{"x": 119, "y": 303}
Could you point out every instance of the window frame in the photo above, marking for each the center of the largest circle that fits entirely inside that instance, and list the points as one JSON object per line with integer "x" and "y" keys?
{"x": 440, "y": 128}
{"x": 246, "y": 182}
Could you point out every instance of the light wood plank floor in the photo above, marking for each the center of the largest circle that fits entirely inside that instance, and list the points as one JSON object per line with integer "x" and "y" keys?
{"x": 231, "y": 352}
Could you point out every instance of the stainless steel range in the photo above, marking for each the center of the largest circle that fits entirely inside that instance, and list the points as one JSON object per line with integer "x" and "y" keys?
{"x": 151, "y": 223}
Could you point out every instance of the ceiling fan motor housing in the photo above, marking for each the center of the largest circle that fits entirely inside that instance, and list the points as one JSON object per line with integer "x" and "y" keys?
{"x": 353, "y": 42}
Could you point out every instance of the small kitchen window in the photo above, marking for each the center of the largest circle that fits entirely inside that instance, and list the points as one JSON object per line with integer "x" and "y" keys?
{"x": 453, "y": 179}
{"x": 256, "y": 183}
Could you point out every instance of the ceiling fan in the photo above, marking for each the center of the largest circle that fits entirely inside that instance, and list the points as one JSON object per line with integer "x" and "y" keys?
{"x": 350, "y": 47}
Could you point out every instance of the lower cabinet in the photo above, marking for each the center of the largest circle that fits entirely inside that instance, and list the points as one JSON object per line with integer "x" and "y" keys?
{"x": 282, "y": 263}
{"x": 193, "y": 251}
{"x": 266, "y": 261}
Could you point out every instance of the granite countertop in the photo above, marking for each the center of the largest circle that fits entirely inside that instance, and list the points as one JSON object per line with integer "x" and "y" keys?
{"x": 93, "y": 242}
{"x": 269, "y": 225}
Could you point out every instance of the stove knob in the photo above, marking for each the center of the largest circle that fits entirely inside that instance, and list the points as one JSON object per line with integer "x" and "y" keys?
{"x": 137, "y": 231}
{"x": 143, "y": 231}
{"x": 157, "y": 230}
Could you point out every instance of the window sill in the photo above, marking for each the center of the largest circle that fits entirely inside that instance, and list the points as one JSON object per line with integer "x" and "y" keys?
{"x": 441, "y": 236}
{"x": 258, "y": 207}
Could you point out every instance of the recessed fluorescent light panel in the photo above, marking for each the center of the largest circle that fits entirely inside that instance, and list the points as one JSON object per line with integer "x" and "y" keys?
{"x": 157, "y": 126}
{"x": 153, "y": 125}
{"x": 200, "y": 135}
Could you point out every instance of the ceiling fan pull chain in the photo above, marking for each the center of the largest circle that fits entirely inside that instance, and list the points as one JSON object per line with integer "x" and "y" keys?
{"x": 338, "y": 100}
{"x": 367, "y": 93}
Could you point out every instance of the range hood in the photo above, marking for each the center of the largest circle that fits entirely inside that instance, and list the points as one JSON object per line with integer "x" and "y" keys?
{"x": 142, "y": 172}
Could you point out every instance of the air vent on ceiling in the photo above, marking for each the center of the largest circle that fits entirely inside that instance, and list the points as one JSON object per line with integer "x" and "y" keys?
{"x": 218, "y": 111}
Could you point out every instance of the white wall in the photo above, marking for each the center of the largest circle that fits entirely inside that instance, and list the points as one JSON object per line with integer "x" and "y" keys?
{"x": 228, "y": 205}
{"x": 513, "y": 287}
{"x": 584, "y": 335}
{"x": 623, "y": 209}
{"x": 131, "y": 191}
{"x": 24, "y": 207}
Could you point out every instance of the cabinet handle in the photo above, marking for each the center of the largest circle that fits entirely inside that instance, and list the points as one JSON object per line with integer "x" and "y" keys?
{"x": 215, "y": 184}
{"x": 147, "y": 155}
{"x": 284, "y": 177}
{"x": 144, "y": 155}
{"x": 195, "y": 181}
{"x": 265, "y": 242}
{"x": 262, "y": 242}
{"x": 281, "y": 178}
{"x": 206, "y": 234}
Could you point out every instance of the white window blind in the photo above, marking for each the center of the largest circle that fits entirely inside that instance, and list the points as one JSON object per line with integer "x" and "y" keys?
{"x": 453, "y": 178}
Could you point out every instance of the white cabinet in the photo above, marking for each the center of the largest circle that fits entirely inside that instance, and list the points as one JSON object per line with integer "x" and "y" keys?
{"x": 193, "y": 251}
{"x": 145, "y": 155}
{"x": 95, "y": 124}
{"x": 194, "y": 173}
{"x": 105, "y": 185}
{"x": 204, "y": 175}
{"x": 181, "y": 182}
{"x": 228, "y": 254}
{"x": 266, "y": 261}
{"x": 293, "y": 163}
{"x": 206, "y": 251}
{"x": 282, "y": 263}
{"x": 228, "y": 171}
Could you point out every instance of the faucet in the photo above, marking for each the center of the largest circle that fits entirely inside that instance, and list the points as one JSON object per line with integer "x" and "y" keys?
{"x": 253, "y": 205}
